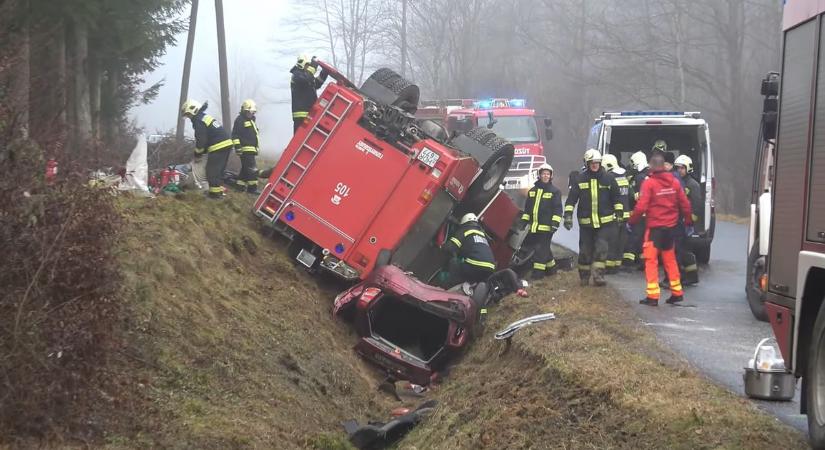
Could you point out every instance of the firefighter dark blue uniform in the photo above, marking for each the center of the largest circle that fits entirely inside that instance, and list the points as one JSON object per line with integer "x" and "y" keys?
{"x": 246, "y": 141}
{"x": 633, "y": 245}
{"x": 212, "y": 140}
{"x": 542, "y": 216}
{"x": 475, "y": 260}
{"x": 599, "y": 205}
{"x": 686, "y": 258}
{"x": 304, "y": 85}
{"x": 616, "y": 246}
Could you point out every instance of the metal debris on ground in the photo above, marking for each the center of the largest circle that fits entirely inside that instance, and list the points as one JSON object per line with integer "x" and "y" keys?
{"x": 511, "y": 329}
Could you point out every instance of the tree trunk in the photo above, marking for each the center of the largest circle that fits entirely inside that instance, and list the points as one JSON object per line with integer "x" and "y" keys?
{"x": 94, "y": 95}
{"x": 109, "y": 105}
{"x": 80, "y": 103}
{"x": 16, "y": 25}
{"x": 187, "y": 68}
{"x": 47, "y": 83}
{"x": 404, "y": 38}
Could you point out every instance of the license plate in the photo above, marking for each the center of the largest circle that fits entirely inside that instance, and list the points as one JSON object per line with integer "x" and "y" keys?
{"x": 428, "y": 157}
{"x": 306, "y": 258}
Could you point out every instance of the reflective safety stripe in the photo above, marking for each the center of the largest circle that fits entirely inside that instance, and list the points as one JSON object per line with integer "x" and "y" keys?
{"x": 687, "y": 190}
{"x": 531, "y": 194}
{"x": 539, "y": 266}
{"x": 584, "y": 266}
{"x": 525, "y": 217}
{"x": 585, "y": 221}
{"x": 568, "y": 208}
{"x": 676, "y": 287}
{"x": 691, "y": 268}
{"x": 249, "y": 148}
{"x": 472, "y": 232}
{"x": 247, "y": 124}
{"x": 626, "y": 215}
{"x": 199, "y": 151}
{"x": 215, "y": 189}
{"x": 551, "y": 264}
{"x": 630, "y": 256}
{"x": 207, "y": 119}
{"x": 618, "y": 206}
{"x": 599, "y": 265}
{"x": 618, "y": 262}
{"x": 653, "y": 290}
{"x": 240, "y": 182}
{"x": 473, "y": 262}
{"x": 543, "y": 228}
{"x": 547, "y": 195}
{"x": 556, "y": 219}
{"x": 252, "y": 183}
{"x": 622, "y": 182}
{"x": 220, "y": 146}
{"x": 594, "y": 202}
{"x": 536, "y": 204}
{"x": 456, "y": 242}
{"x": 584, "y": 185}
{"x": 611, "y": 264}
{"x": 694, "y": 218}
{"x": 300, "y": 114}
{"x": 236, "y": 141}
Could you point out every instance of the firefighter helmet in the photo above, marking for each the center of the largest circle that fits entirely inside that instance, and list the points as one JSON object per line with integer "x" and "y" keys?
{"x": 660, "y": 145}
{"x": 592, "y": 155}
{"x": 684, "y": 160}
{"x": 469, "y": 217}
{"x": 610, "y": 162}
{"x": 638, "y": 160}
{"x": 303, "y": 60}
{"x": 545, "y": 166}
{"x": 190, "y": 107}
{"x": 249, "y": 105}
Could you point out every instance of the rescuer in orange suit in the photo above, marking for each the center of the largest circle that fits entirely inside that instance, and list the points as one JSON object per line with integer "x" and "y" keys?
{"x": 661, "y": 200}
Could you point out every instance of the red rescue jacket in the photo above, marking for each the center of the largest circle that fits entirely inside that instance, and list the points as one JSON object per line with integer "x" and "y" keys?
{"x": 660, "y": 200}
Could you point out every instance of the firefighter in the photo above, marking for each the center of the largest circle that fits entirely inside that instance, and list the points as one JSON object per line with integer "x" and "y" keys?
{"x": 687, "y": 260}
{"x": 633, "y": 246}
{"x": 245, "y": 139}
{"x": 659, "y": 146}
{"x": 304, "y": 86}
{"x": 212, "y": 139}
{"x": 542, "y": 215}
{"x": 661, "y": 201}
{"x": 475, "y": 261}
{"x": 597, "y": 195}
{"x": 616, "y": 245}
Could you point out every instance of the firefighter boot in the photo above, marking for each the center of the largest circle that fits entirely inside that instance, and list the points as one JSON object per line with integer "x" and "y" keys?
{"x": 584, "y": 278}
{"x": 598, "y": 277}
{"x": 649, "y": 301}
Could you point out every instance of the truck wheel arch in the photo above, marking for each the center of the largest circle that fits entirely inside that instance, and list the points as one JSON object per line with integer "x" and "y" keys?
{"x": 813, "y": 295}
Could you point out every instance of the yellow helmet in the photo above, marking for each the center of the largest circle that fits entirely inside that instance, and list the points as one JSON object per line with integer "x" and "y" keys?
{"x": 610, "y": 162}
{"x": 303, "y": 60}
{"x": 190, "y": 107}
{"x": 660, "y": 145}
{"x": 592, "y": 155}
{"x": 249, "y": 105}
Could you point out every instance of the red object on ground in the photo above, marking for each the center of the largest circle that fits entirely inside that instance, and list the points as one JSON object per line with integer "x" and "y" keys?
{"x": 398, "y": 412}
{"x": 51, "y": 170}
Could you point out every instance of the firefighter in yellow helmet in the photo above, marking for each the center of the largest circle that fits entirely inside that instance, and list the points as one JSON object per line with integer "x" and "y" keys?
{"x": 617, "y": 242}
{"x": 247, "y": 144}
{"x": 210, "y": 139}
{"x": 304, "y": 86}
{"x": 599, "y": 207}
{"x": 542, "y": 217}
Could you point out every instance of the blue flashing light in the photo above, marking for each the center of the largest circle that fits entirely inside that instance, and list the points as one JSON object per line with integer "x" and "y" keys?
{"x": 483, "y": 104}
{"x": 517, "y": 103}
{"x": 652, "y": 113}
{"x": 290, "y": 216}
{"x": 339, "y": 248}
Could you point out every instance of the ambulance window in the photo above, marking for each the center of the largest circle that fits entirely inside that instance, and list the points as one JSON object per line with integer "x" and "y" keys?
{"x": 816, "y": 191}
{"x": 593, "y": 137}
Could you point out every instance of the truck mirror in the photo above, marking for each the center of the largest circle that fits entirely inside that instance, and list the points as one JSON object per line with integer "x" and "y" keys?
{"x": 769, "y": 121}
{"x": 548, "y": 122}
{"x": 548, "y": 133}
{"x": 491, "y": 120}
{"x": 770, "y": 85}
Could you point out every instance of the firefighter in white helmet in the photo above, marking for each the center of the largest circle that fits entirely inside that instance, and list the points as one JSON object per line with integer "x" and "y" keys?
{"x": 599, "y": 207}
{"x": 617, "y": 243}
{"x": 686, "y": 258}
{"x": 474, "y": 261}
{"x": 542, "y": 217}
{"x": 633, "y": 247}
{"x": 245, "y": 138}
{"x": 210, "y": 139}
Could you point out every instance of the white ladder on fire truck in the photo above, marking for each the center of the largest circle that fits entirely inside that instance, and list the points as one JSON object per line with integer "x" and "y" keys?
{"x": 278, "y": 202}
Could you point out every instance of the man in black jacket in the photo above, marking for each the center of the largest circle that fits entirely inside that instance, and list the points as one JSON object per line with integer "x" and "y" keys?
{"x": 245, "y": 138}
{"x": 304, "y": 86}
{"x": 542, "y": 215}
{"x": 686, "y": 258}
{"x": 475, "y": 261}
{"x": 210, "y": 139}
{"x": 599, "y": 206}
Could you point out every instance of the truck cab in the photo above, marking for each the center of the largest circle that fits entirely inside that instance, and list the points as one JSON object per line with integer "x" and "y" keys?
{"x": 513, "y": 121}
{"x": 686, "y": 133}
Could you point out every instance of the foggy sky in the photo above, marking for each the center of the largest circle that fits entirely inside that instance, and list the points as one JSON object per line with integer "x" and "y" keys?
{"x": 254, "y": 29}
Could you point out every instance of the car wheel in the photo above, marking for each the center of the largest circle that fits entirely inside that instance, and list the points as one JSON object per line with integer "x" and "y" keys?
{"x": 495, "y": 160}
{"x": 387, "y": 87}
{"x": 756, "y": 268}
{"x": 814, "y": 382}
{"x": 702, "y": 253}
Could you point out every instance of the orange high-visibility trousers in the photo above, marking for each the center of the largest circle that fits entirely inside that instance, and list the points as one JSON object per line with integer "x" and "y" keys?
{"x": 651, "y": 255}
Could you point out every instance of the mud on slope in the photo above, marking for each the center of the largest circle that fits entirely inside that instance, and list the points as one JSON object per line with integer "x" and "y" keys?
{"x": 228, "y": 344}
{"x": 593, "y": 378}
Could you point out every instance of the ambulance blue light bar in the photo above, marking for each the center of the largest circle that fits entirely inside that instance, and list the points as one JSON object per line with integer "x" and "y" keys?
{"x": 500, "y": 103}
{"x": 652, "y": 113}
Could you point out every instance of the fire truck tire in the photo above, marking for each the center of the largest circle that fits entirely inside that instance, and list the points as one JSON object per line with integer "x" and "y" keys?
{"x": 756, "y": 268}
{"x": 386, "y": 86}
{"x": 493, "y": 169}
{"x": 814, "y": 382}
{"x": 383, "y": 258}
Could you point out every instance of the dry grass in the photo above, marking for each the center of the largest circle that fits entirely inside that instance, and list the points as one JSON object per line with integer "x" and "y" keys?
{"x": 594, "y": 378}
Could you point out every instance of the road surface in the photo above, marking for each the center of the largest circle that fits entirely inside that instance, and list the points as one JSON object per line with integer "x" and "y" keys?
{"x": 719, "y": 334}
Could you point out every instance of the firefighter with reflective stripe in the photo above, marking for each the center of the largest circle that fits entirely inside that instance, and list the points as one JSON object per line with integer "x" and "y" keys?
{"x": 662, "y": 200}
{"x": 304, "y": 85}
{"x": 599, "y": 206}
{"x": 245, "y": 139}
{"x": 475, "y": 261}
{"x": 686, "y": 258}
{"x": 633, "y": 246}
{"x": 542, "y": 217}
{"x": 210, "y": 139}
{"x": 617, "y": 244}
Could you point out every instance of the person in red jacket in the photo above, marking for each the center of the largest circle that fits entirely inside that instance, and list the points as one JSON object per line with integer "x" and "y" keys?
{"x": 661, "y": 200}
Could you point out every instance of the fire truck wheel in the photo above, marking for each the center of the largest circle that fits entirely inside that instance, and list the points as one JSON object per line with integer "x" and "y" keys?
{"x": 383, "y": 258}
{"x": 814, "y": 382}
{"x": 493, "y": 168}
{"x": 756, "y": 268}
{"x": 386, "y": 86}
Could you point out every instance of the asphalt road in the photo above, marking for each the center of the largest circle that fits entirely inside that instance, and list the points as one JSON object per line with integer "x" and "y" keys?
{"x": 718, "y": 334}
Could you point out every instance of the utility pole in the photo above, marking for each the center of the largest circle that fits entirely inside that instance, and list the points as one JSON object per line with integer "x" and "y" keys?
{"x": 187, "y": 68}
{"x": 227, "y": 117}
{"x": 403, "y": 37}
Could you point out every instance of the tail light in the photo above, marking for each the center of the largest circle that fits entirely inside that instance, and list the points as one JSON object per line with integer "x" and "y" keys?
{"x": 763, "y": 283}
{"x": 427, "y": 194}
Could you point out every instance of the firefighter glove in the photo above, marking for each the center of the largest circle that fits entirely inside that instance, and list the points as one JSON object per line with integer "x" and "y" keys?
{"x": 568, "y": 221}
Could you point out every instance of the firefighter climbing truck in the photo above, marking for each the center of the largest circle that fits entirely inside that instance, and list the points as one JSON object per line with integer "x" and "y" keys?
{"x": 509, "y": 119}
{"x": 364, "y": 183}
